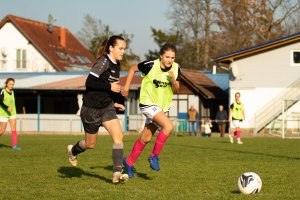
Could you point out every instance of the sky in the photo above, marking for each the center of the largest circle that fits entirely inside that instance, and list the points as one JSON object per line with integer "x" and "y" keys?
{"x": 132, "y": 16}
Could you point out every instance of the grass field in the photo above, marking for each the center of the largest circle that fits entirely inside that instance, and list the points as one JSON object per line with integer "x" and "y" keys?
{"x": 191, "y": 168}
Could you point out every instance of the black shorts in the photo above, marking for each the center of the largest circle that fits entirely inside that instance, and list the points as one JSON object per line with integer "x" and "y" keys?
{"x": 92, "y": 118}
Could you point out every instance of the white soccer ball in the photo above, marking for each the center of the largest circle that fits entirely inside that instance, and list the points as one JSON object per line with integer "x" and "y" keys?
{"x": 249, "y": 183}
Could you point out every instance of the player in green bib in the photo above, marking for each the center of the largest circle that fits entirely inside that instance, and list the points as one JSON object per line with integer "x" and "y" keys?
{"x": 160, "y": 79}
{"x": 8, "y": 111}
{"x": 236, "y": 116}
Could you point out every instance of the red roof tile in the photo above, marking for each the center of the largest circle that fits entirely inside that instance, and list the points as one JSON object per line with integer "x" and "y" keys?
{"x": 47, "y": 43}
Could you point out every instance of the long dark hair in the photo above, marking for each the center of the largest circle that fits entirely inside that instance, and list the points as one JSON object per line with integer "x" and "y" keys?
{"x": 104, "y": 47}
{"x": 7, "y": 80}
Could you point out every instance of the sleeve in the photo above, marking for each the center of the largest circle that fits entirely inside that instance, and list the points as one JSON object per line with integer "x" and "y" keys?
{"x": 179, "y": 74}
{"x": 145, "y": 66}
{"x": 1, "y": 101}
{"x": 93, "y": 82}
{"x": 100, "y": 66}
{"x": 231, "y": 106}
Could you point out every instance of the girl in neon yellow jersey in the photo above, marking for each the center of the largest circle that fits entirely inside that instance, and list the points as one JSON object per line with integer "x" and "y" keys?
{"x": 8, "y": 111}
{"x": 160, "y": 79}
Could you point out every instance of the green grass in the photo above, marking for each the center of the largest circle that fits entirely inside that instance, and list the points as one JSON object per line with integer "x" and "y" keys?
{"x": 191, "y": 168}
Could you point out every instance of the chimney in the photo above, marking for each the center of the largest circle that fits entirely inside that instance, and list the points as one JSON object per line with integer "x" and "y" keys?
{"x": 62, "y": 37}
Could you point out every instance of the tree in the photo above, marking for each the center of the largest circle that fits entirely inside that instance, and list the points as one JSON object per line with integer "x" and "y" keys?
{"x": 94, "y": 32}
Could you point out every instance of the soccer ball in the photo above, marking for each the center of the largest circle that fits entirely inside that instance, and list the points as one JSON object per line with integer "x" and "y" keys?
{"x": 249, "y": 183}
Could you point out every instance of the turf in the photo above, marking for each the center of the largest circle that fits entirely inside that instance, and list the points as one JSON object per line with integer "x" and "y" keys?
{"x": 191, "y": 168}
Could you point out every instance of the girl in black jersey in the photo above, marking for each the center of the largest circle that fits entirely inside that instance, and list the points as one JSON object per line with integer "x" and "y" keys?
{"x": 99, "y": 107}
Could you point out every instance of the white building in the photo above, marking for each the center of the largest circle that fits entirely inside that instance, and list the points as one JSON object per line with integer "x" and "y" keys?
{"x": 31, "y": 46}
{"x": 265, "y": 75}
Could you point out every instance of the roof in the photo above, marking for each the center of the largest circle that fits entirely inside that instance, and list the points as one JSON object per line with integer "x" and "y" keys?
{"x": 59, "y": 46}
{"x": 197, "y": 81}
{"x": 222, "y": 80}
{"x": 201, "y": 84}
{"x": 227, "y": 58}
{"x": 47, "y": 80}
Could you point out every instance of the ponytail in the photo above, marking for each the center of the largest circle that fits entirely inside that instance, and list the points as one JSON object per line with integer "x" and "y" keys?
{"x": 104, "y": 47}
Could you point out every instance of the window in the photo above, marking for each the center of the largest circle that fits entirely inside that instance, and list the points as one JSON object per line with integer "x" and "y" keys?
{"x": 21, "y": 59}
{"x": 295, "y": 58}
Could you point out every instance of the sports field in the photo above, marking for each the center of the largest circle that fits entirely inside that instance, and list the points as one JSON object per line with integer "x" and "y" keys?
{"x": 191, "y": 168}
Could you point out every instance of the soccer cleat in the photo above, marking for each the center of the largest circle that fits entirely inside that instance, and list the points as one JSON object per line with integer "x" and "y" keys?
{"x": 72, "y": 158}
{"x": 153, "y": 160}
{"x": 239, "y": 142}
{"x": 16, "y": 148}
{"x": 118, "y": 177}
{"x": 231, "y": 139}
{"x": 129, "y": 170}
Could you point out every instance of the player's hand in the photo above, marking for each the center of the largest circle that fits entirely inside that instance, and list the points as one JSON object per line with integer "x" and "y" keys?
{"x": 120, "y": 107}
{"x": 124, "y": 92}
{"x": 172, "y": 76}
{"x": 9, "y": 109}
{"x": 115, "y": 87}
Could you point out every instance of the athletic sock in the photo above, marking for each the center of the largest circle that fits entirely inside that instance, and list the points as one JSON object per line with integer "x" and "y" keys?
{"x": 79, "y": 147}
{"x": 136, "y": 151}
{"x": 159, "y": 143}
{"x": 14, "y": 138}
{"x": 238, "y": 134}
{"x": 117, "y": 156}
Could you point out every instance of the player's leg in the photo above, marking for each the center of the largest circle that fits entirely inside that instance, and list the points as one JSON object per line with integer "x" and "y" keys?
{"x": 14, "y": 135}
{"x": 3, "y": 124}
{"x": 138, "y": 147}
{"x": 91, "y": 122}
{"x": 238, "y": 135}
{"x": 166, "y": 129}
{"x": 114, "y": 129}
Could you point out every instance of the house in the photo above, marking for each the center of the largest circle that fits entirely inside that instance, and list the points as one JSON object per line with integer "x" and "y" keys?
{"x": 32, "y": 46}
{"x": 265, "y": 75}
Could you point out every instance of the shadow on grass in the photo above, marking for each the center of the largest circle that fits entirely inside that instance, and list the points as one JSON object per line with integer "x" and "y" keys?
{"x": 235, "y": 192}
{"x": 71, "y": 172}
{"x": 138, "y": 174}
{"x": 4, "y": 146}
{"x": 238, "y": 151}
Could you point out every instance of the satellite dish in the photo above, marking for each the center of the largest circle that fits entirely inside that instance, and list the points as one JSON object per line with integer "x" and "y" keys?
{"x": 4, "y": 52}
{"x": 234, "y": 69}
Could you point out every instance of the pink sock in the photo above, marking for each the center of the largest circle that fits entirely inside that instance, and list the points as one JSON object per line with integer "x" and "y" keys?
{"x": 238, "y": 134}
{"x": 14, "y": 138}
{"x": 136, "y": 151}
{"x": 159, "y": 143}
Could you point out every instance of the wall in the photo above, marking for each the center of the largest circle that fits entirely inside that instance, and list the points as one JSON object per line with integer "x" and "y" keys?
{"x": 11, "y": 39}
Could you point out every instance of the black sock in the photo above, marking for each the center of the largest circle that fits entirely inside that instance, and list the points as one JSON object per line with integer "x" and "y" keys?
{"x": 78, "y": 148}
{"x": 117, "y": 156}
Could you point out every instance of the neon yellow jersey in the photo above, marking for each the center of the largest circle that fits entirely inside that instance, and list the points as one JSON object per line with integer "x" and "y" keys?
{"x": 238, "y": 111}
{"x": 156, "y": 88}
{"x": 9, "y": 100}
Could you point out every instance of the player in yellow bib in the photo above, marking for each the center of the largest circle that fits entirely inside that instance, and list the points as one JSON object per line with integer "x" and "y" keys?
{"x": 8, "y": 111}
{"x": 160, "y": 78}
{"x": 236, "y": 116}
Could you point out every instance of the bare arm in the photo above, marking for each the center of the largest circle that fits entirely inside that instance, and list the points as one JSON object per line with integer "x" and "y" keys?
{"x": 175, "y": 84}
{"x": 131, "y": 72}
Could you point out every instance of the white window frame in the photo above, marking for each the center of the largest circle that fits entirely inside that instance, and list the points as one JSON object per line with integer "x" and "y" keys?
{"x": 21, "y": 59}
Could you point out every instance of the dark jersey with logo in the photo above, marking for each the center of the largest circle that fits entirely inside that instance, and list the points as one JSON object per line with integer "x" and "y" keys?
{"x": 98, "y": 92}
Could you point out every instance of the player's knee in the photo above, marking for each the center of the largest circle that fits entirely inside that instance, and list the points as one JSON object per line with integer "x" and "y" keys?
{"x": 168, "y": 128}
{"x": 146, "y": 139}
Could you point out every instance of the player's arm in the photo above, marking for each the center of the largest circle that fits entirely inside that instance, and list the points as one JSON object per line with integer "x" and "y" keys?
{"x": 2, "y": 102}
{"x": 175, "y": 82}
{"x": 130, "y": 76}
{"x": 230, "y": 113}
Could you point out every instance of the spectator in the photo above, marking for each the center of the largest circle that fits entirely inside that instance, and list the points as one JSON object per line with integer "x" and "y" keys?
{"x": 221, "y": 119}
{"x": 192, "y": 114}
